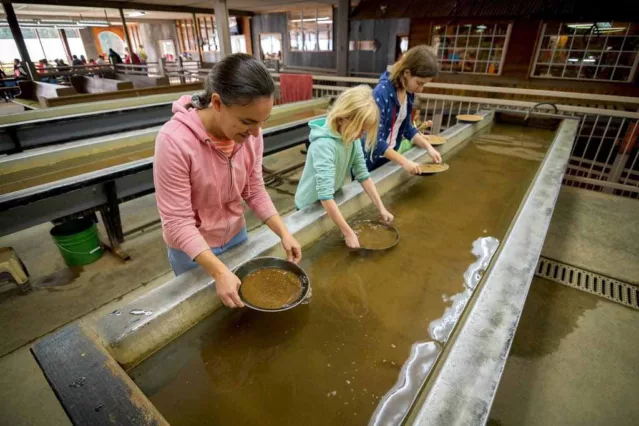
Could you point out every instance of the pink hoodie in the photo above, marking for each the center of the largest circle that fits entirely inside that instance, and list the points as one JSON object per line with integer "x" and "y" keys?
{"x": 199, "y": 190}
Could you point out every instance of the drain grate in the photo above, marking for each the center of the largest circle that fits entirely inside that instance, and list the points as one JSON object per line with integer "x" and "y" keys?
{"x": 611, "y": 289}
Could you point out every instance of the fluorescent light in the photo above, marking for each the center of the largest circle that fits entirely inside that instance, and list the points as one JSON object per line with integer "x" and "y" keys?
{"x": 583, "y": 26}
{"x": 136, "y": 13}
{"x": 573, "y": 60}
{"x": 68, "y": 21}
{"x": 323, "y": 20}
{"x": 91, "y": 23}
{"x": 590, "y": 60}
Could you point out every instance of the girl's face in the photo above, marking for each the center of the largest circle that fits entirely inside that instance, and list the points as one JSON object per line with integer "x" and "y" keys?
{"x": 238, "y": 122}
{"x": 413, "y": 83}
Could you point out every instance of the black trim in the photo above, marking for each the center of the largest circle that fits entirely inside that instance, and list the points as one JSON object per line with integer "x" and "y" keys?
{"x": 131, "y": 5}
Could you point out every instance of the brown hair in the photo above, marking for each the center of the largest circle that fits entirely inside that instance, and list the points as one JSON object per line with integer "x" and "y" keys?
{"x": 237, "y": 79}
{"x": 419, "y": 60}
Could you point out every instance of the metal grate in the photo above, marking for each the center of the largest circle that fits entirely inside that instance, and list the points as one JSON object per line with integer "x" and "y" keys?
{"x": 611, "y": 289}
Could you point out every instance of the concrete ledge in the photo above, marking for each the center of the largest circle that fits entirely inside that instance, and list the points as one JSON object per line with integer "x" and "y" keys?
{"x": 180, "y": 303}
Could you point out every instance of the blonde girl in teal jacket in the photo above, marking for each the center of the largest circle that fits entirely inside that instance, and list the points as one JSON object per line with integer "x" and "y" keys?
{"x": 335, "y": 150}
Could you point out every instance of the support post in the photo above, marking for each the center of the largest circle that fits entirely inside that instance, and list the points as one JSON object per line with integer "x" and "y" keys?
{"x": 223, "y": 31}
{"x": 65, "y": 44}
{"x": 126, "y": 31}
{"x": 341, "y": 45}
{"x": 198, "y": 40}
{"x": 12, "y": 20}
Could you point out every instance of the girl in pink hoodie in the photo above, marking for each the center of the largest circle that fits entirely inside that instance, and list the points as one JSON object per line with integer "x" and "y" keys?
{"x": 208, "y": 158}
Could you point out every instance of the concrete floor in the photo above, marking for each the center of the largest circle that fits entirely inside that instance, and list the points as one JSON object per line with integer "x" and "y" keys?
{"x": 573, "y": 362}
{"x": 7, "y": 108}
{"x": 604, "y": 236}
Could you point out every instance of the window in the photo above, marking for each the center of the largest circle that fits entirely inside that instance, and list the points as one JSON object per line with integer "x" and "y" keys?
{"x": 403, "y": 44}
{"x": 311, "y": 29}
{"x": 271, "y": 45}
{"x": 208, "y": 34}
{"x": 471, "y": 48}
{"x": 238, "y": 44}
{"x": 595, "y": 51}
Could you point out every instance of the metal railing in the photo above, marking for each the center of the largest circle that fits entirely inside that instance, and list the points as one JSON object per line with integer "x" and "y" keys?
{"x": 605, "y": 157}
{"x": 605, "y": 154}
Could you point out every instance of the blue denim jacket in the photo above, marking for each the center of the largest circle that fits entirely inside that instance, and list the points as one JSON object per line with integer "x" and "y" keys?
{"x": 385, "y": 96}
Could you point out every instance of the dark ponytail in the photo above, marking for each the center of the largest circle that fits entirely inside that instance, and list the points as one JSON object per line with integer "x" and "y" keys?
{"x": 237, "y": 79}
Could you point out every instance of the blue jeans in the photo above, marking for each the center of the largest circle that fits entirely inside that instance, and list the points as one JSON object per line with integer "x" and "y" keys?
{"x": 182, "y": 262}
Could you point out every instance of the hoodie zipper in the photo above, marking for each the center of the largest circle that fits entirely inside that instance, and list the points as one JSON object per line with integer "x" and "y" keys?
{"x": 230, "y": 163}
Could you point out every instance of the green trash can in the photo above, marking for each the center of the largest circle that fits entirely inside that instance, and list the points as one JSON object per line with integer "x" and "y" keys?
{"x": 78, "y": 241}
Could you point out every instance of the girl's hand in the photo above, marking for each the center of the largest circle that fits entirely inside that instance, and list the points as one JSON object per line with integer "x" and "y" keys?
{"x": 351, "y": 240}
{"x": 292, "y": 248}
{"x": 426, "y": 125}
{"x": 386, "y": 215}
{"x": 412, "y": 167}
{"x": 436, "y": 156}
{"x": 226, "y": 286}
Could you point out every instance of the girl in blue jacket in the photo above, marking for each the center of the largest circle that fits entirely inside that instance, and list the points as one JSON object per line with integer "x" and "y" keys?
{"x": 394, "y": 96}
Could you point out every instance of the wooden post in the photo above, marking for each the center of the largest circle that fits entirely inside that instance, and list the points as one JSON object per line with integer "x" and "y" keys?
{"x": 12, "y": 20}
{"x": 198, "y": 40}
{"x": 223, "y": 31}
{"x": 65, "y": 44}
{"x": 341, "y": 45}
{"x": 126, "y": 32}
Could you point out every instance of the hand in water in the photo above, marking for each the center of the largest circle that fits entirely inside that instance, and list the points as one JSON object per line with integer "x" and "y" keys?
{"x": 226, "y": 286}
{"x": 386, "y": 216}
{"x": 351, "y": 240}
{"x": 437, "y": 157}
{"x": 292, "y": 248}
{"x": 412, "y": 167}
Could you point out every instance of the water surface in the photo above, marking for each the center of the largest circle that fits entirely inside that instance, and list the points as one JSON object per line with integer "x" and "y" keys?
{"x": 329, "y": 362}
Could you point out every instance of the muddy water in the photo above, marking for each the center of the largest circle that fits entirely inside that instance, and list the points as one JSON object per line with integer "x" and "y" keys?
{"x": 330, "y": 362}
{"x": 93, "y": 161}
{"x": 374, "y": 236}
{"x": 271, "y": 288}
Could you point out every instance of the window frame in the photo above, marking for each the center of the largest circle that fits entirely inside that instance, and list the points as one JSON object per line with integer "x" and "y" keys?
{"x": 306, "y": 14}
{"x": 504, "y": 48}
{"x": 540, "y": 42}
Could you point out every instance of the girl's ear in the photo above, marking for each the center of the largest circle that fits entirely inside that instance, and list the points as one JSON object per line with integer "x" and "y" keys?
{"x": 216, "y": 102}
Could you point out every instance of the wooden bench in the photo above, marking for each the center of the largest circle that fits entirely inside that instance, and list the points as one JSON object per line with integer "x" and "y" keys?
{"x": 84, "y": 84}
{"x": 120, "y": 94}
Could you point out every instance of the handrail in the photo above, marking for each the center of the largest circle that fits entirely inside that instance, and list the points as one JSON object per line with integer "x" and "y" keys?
{"x": 492, "y": 89}
{"x": 527, "y": 104}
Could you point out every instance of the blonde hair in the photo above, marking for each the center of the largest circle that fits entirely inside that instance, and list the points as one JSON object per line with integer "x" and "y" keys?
{"x": 357, "y": 106}
{"x": 420, "y": 60}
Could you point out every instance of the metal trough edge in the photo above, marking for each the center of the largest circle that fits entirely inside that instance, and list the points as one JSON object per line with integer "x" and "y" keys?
{"x": 462, "y": 387}
{"x": 183, "y": 301}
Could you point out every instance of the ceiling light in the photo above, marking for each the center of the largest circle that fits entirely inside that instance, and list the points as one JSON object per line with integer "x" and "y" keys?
{"x": 92, "y": 23}
{"x": 136, "y": 14}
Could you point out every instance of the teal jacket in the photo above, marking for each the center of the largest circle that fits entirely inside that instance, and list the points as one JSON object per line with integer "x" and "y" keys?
{"x": 328, "y": 161}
